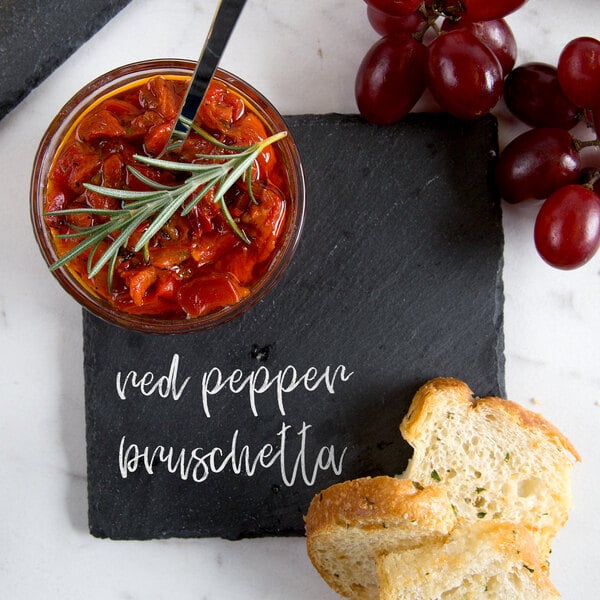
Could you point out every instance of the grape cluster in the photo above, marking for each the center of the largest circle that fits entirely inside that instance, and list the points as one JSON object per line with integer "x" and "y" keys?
{"x": 546, "y": 162}
{"x": 464, "y": 53}
{"x": 460, "y": 50}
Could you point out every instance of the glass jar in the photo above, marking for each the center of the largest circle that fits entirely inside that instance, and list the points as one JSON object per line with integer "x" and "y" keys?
{"x": 108, "y": 85}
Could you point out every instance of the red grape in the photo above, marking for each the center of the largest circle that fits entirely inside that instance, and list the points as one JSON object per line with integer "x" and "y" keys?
{"x": 391, "y": 78}
{"x": 487, "y": 10}
{"x": 397, "y": 8}
{"x": 463, "y": 75}
{"x": 495, "y": 34}
{"x": 567, "y": 228}
{"x": 534, "y": 95}
{"x": 579, "y": 71}
{"x": 536, "y": 163}
{"x": 384, "y": 23}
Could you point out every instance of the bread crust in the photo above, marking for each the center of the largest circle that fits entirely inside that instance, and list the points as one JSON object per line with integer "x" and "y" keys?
{"x": 372, "y": 501}
{"x": 440, "y": 389}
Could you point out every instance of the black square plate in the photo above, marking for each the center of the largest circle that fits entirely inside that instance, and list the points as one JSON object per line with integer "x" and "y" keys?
{"x": 397, "y": 279}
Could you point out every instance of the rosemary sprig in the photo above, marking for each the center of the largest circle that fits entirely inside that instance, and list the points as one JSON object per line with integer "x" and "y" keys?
{"x": 219, "y": 173}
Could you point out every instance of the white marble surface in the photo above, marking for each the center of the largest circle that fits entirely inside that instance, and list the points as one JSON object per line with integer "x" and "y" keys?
{"x": 303, "y": 56}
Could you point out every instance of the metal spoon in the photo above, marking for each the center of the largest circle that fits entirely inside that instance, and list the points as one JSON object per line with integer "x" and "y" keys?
{"x": 224, "y": 20}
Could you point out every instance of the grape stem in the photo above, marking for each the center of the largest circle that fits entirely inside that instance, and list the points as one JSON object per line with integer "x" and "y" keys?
{"x": 450, "y": 10}
{"x": 431, "y": 18}
{"x": 589, "y": 177}
{"x": 581, "y": 144}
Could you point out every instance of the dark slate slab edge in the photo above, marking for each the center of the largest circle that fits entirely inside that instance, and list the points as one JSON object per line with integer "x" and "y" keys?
{"x": 36, "y": 36}
{"x": 398, "y": 277}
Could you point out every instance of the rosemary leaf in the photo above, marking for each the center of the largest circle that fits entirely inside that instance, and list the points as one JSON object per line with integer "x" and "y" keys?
{"x": 249, "y": 184}
{"x": 94, "y": 237}
{"x": 157, "y": 205}
{"x": 231, "y": 222}
{"x": 84, "y": 210}
{"x": 163, "y": 216}
{"x": 119, "y": 241}
{"x": 188, "y": 207}
{"x": 173, "y": 165}
{"x": 147, "y": 181}
{"x": 207, "y": 136}
{"x": 118, "y": 194}
{"x": 111, "y": 270}
{"x": 238, "y": 171}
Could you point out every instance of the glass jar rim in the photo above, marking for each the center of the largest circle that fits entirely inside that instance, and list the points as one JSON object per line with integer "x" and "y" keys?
{"x": 109, "y": 83}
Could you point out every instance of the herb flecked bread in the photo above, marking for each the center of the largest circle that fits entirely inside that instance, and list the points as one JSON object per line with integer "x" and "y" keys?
{"x": 472, "y": 517}
{"x": 496, "y": 459}
{"x": 351, "y": 523}
{"x": 487, "y": 560}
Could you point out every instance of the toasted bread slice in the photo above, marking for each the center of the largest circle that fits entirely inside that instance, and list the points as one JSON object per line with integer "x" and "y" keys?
{"x": 349, "y": 524}
{"x": 497, "y": 460}
{"x": 480, "y": 560}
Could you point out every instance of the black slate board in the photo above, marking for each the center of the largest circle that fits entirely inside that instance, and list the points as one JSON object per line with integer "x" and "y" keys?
{"x": 36, "y": 36}
{"x": 397, "y": 278}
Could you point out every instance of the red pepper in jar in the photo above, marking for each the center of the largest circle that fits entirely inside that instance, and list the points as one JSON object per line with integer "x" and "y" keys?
{"x": 205, "y": 255}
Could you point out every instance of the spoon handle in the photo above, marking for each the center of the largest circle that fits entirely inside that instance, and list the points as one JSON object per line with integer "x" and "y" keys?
{"x": 224, "y": 20}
